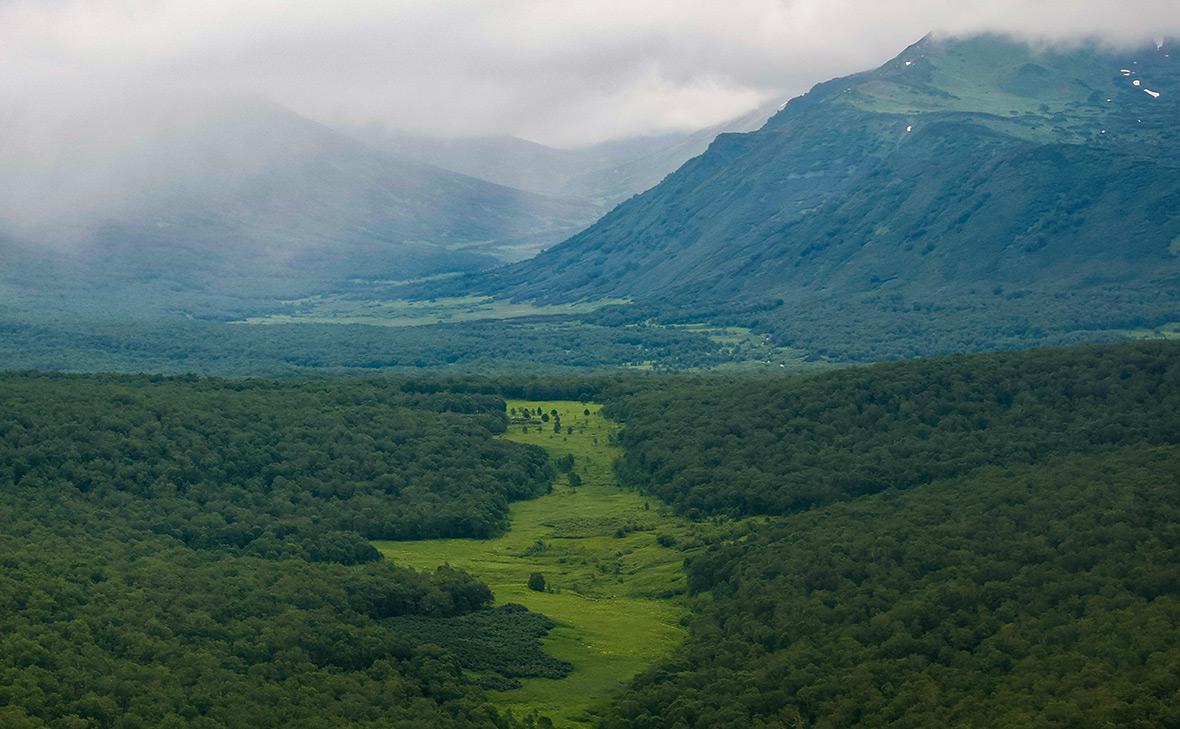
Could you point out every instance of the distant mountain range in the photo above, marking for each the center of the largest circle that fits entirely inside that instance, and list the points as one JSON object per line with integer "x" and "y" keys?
{"x": 249, "y": 196}
{"x": 968, "y": 194}
{"x": 601, "y": 175}
{"x": 242, "y": 199}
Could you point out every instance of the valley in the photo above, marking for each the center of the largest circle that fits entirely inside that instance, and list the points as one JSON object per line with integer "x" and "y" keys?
{"x": 532, "y": 365}
{"x": 616, "y": 593}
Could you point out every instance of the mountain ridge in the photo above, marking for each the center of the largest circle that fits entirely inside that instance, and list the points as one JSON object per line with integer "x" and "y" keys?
{"x": 246, "y": 193}
{"x": 964, "y": 175}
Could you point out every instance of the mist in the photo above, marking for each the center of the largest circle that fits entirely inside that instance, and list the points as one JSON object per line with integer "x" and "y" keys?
{"x": 132, "y": 110}
{"x": 560, "y": 73}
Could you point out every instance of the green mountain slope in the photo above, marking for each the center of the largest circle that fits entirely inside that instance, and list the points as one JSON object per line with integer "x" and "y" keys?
{"x": 967, "y": 194}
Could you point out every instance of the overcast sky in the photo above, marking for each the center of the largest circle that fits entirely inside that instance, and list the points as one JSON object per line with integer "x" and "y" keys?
{"x": 555, "y": 71}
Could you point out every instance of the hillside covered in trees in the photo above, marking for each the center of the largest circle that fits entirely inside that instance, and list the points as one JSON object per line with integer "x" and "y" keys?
{"x": 1019, "y": 596}
{"x": 976, "y": 541}
{"x": 193, "y": 553}
{"x": 776, "y": 446}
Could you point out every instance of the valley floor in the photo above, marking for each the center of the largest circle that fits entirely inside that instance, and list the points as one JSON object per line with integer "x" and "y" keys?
{"x": 611, "y": 587}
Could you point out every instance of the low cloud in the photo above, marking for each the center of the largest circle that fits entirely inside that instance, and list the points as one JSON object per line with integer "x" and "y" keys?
{"x": 560, "y": 72}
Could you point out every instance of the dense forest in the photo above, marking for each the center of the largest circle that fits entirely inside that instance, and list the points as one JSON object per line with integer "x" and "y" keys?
{"x": 193, "y": 553}
{"x": 976, "y": 541}
{"x": 1020, "y": 596}
{"x": 310, "y": 470}
{"x": 778, "y": 446}
{"x": 983, "y": 540}
{"x": 72, "y": 342}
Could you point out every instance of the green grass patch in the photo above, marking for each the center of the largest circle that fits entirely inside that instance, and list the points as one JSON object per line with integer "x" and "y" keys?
{"x": 1171, "y": 330}
{"x": 613, "y": 590}
{"x": 752, "y": 352}
{"x": 406, "y": 313}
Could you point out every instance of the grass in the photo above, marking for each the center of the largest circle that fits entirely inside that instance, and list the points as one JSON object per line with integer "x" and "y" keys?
{"x": 1171, "y": 330}
{"x": 752, "y": 351}
{"x": 406, "y": 313}
{"x": 613, "y": 590}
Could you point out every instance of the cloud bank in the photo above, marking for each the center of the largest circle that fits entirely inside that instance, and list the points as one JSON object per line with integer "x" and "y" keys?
{"x": 556, "y": 71}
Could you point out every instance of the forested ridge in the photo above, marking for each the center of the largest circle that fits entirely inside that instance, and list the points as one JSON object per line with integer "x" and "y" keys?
{"x": 974, "y": 542}
{"x": 970, "y": 194}
{"x": 193, "y": 553}
{"x": 272, "y": 469}
{"x": 1027, "y": 596}
{"x": 776, "y": 446}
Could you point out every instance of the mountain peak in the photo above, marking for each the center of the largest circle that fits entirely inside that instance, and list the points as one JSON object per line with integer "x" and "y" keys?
{"x": 960, "y": 171}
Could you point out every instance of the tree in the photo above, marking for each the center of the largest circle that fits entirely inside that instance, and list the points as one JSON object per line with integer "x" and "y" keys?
{"x": 537, "y": 582}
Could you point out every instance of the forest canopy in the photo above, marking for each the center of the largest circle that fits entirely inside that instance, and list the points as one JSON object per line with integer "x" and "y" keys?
{"x": 777, "y": 446}
{"x": 193, "y": 553}
{"x": 975, "y": 541}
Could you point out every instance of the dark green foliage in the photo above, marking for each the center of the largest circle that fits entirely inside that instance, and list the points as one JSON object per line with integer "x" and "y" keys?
{"x": 574, "y": 479}
{"x": 309, "y": 470}
{"x": 166, "y": 550}
{"x": 537, "y": 582}
{"x": 1019, "y": 565}
{"x": 565, "y": 463}
{"x": 503, "y": 641}
{"x": 124, "y": 629}
{"x": 175, "y": 346}
{"x": 1034, "y": 596}
{"x": 778, "y": 446}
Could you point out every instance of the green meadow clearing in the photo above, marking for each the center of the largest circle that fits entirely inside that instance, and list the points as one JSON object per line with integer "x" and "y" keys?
{"x": 611, "y": 587}
{"x": 331, "y": 309}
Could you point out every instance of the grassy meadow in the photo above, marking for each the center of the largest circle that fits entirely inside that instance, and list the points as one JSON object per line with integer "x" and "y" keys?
{"x": 612, "y": 587}
{"x": 409, "y": 313}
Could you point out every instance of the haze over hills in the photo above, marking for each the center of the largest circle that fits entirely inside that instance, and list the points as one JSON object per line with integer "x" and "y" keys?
{"x": 600, "y": 175}
{"x": 967, "y": 194}
{"x": 249, "y": 199}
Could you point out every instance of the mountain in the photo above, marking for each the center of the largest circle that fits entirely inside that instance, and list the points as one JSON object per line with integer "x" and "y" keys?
{"x": 599, "y": 175}
{"x": 245, "y": 197}
{"x": 504, "y": 160}
{"x": 968, "y": 194}
{"x": 616, "y": 182}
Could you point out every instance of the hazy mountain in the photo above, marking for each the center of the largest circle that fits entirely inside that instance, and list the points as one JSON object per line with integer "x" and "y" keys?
{"x": 968, "y": 193}
{"x": 600, "y": 175}
{"x": 245, "y": 196}
{"x": 611, "y": 184}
